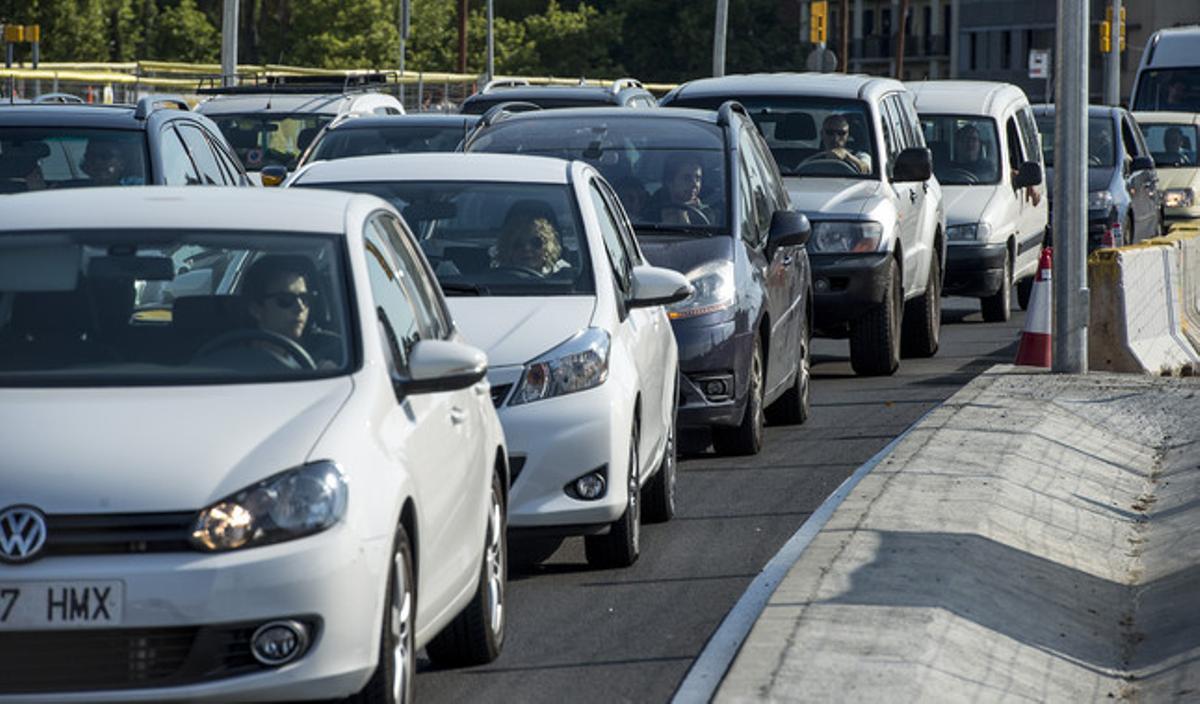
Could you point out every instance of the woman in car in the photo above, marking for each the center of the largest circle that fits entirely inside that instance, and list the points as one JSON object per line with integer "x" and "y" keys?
{"x": 530, "y": 241}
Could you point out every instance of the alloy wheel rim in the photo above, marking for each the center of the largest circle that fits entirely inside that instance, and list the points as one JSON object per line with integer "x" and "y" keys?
{"x": 670, "y": 465}
{"x": 760, "y": 419}
{"x": 495, "y": 566}
{"x": 401, "y": 628}
{"x": 634, "y": 505}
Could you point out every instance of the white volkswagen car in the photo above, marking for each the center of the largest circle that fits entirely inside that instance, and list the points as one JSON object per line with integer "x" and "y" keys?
{"x": 278, "y": 489}
{"x": 542, "y": 271}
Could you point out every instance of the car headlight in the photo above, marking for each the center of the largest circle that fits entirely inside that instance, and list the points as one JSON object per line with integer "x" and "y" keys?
{"x": 289, "y": 505}
{"x": 845, "y": 237}
{"x": 971, "y": 231}
{"x": 1100, "y": 200}
{"x": 1179, "y": 198}
{"x": 578, "y": 364}
{"x": 713, "y": 290}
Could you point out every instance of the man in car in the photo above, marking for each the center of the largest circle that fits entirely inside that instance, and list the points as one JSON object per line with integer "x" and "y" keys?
{"x": 280, "y": 301}
{"x": 1174, "y": 152}
{"x": 109, "y": 163}
{"x": 678, "y": 202}
{"x": 969, "y": 156}
{"x": 835, "y": 135}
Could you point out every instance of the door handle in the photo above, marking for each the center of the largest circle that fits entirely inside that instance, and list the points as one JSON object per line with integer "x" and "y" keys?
{"x": 788, "y": 259}
{"x": 458, "y": 416}
{"x": 912, "y": 195}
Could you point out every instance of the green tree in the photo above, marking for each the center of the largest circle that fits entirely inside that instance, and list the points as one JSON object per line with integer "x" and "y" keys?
{"x": 184, "y": 33}
{"x": 336, "y": 34}
{"x": 575, "y": 42}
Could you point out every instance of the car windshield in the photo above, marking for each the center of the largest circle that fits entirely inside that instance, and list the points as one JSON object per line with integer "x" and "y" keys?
{"x": 1101, "y": 147}
{"x": 34, "y": 158}
{"x": 1172, "y": 145}
{"x": 268, "y": 139}
{"x": 400, "y": 139}
{"x": 493, "y": 239}
{"x": 478, "y": 106}
{"x": 808, "y": 136}
{"x": 1175, "y": 89}
{"x": 669, "y": 173}
{"x": 130, "y": 307}
{"x": 966, "y": 150}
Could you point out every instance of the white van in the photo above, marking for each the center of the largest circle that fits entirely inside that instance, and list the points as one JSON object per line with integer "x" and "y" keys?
{"x": 1168, "y": 79}
{"x": 987, "y": 156}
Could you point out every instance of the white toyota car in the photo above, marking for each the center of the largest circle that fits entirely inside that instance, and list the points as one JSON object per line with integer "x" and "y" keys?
{"x": 542, "y": 271}
{"x": 278, "y": 487}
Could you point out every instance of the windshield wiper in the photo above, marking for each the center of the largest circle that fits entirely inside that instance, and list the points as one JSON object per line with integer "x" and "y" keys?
{"x": 678, "y": 230}
{"x": 462, "y": 288}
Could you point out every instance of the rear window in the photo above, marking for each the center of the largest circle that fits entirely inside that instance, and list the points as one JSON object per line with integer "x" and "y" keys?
{"x": 268, "y": 139}
{"x": 1175, "y": 89}
{"x": 1101, "y": 145}
{"x": 363, "y": 141}
{"x": 35, "y": 158}
{"x": 480, "y": 106}
{"x": 1171, "y": 145}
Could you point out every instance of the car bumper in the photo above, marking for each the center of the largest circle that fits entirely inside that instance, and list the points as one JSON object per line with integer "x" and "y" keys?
{"x": 845, "y": 286}
{"x": 974, "y": 269}
{"x": 712, "y": 353}
{"x": 553, "y": 442}
{"x": 334, "y": 580}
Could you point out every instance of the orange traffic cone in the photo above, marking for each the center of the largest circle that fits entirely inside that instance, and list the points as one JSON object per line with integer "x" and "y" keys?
{"x": 1035, "y": 349}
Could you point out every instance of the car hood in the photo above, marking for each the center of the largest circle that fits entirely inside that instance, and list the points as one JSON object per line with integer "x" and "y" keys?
{"x": 966, "y": 204}
{"x": 156, "y": 448}
{"x": 513, "y": 330}
{"x": 1099, "y": 179}
{"x": 830, "y": 196}
{"x": 1179, "y": 178}
{"x": 684, "y": 253}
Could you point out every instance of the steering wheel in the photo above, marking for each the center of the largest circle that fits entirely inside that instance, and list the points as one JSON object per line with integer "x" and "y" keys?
{"x": 692, "y": 213}
{"x": 962, "y": 175}
{"x": 247, "y": 335}
{"x": 824, "y": 164}
{"x": 521, "y": 272}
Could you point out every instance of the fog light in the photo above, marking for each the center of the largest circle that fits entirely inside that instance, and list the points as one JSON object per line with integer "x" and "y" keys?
{"x": 715, "y": 387}
{"x": 821, "y": 285}
{"x": 279, "y": 642}
{"x": 590, "y": 486}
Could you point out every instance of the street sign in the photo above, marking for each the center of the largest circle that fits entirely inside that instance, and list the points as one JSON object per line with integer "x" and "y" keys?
{"x": 1039, "y": 63}
{"x": 818, "y": 22}
{"x": 823, "y": 60}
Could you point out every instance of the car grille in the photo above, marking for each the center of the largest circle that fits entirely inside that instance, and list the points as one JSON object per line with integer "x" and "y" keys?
{"x": 499, "y": 393}
{"x": 116, "y": 533}
{"x": 95, "y": 660}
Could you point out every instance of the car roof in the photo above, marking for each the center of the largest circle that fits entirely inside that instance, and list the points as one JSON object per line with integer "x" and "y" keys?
{"x": 427, "y": 119}
{"x": 1175, "y": 118}
{"x": 606, "y": 113}
{"x": 164, "y": 207}
{"x": 69, "y": 115}
{"x": 831, "y": 85}
{"x": 1093, "y": 110}
{"x": 438, "y": 166}
{"x": 1172, "y": 47}
{"x": 286, "y": 103}
{"x": 965, "y": 97}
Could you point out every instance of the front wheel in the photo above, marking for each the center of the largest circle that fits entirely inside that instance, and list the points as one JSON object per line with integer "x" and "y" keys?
{"x": 923, "y": 317}
{"x": 875, "y": 336}
{"x": 476, "y": 635}
{"x": 996, "y": 308}
{"x": 793, "y": 406}
{"x": 621, "y": 546}
{"x": 396, "y": 670}
{"x": 746, "y": 438}
{"x": 658, "y": 496}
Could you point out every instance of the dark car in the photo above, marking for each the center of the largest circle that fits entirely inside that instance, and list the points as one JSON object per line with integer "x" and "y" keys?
{"x": 623, "y": 92}
{"x": 705, "y": 198}
{"x": 391, "y": 134}
{"x": 159, "y": 141}
{"x": 1124, "y": 202}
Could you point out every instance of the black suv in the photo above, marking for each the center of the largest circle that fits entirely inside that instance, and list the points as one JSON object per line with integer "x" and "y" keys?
{"x": 623, "y": 92}
{"x": 159, "y": 141}
{"x": 705, "y": 198}
{"x": 388, "y": 134}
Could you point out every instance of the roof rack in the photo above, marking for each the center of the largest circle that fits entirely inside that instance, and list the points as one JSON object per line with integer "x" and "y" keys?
{"x": 58, "y": 99}
{"x": 150, "y": 103}
{"x": 503, "y": 83}
{"x": 725, "y": 112}
{"x": 503, "y": 110}
{"x": 350, "y": 83}
{"x": 622, "y": 83}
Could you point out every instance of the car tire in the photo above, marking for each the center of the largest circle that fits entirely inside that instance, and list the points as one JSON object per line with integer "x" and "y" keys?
{"x": 1025, "y": 291}
{"x": 476, "y": 635}
{"x": 621, "y": 546}
{"x": 746, "y": 438}
{"x": 658, "y": 496}
{"x": 396, "y": 671}
{"x": 996, "y": 308}
{"x": 923, "y": 317}
{"x": 875, "y": 336}
{"x": 793, "y": 406}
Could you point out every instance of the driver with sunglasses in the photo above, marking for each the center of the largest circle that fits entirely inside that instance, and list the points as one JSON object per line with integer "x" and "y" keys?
{"x": 835, "y": 133}
{"x": 280, "y": 301}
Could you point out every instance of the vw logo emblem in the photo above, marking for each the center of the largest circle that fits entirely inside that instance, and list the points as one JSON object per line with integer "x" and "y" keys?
{"x": 22, "y": 533}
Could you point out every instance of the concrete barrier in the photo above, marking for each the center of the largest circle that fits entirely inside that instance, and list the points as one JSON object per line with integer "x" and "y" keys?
{"x": 1136, "y": 317}
{"x": 1187, "y": 241}
{"x": 1035, "y": 538}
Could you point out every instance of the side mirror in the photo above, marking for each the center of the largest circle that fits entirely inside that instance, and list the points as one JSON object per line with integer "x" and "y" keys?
{"x": 655, "y": 286}
{"x": 1028, "y": 174}
{"x": 913, "y": 164}
{"x": 788, "y": 229}
{"x": 273, "y": 175}
{"x": 441, "y": 365}
{"x": 1141, "y": 163}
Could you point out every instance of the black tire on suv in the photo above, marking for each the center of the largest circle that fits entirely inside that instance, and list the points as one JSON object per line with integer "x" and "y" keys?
{"x": 923, "y": 317}
{"x": 875, "y": 337}
{"x": 996, "y": 307}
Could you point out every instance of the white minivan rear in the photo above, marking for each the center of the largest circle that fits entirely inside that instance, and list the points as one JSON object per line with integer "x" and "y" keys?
{"x": 1168, "y": 78}
{"x": 987, "y": 157}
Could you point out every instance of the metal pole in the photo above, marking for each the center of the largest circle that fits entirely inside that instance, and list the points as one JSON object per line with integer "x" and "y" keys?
{"x": 845, "y": 21}
{"x": 719, "y": 37}
{"x": 1070, "y": 188}
{"x": 405, "y": 10}
{"x": 491, "y": 41}
{"x": 37, "y": 55}
{"x": 954, "y": 43}
{"x": 462, "y": 36}
{"x": 858, "y": 38}
{"x": 901, "y": 29}
{"x": 229, "y": 42}
{"x": 1112, "y": 86}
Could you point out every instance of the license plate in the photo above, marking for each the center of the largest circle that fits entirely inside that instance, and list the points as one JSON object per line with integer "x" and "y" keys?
{"x": 44, "y": 605}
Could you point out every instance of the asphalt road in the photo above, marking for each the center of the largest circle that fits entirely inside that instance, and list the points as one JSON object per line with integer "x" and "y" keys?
{"x": 580, "y": 635}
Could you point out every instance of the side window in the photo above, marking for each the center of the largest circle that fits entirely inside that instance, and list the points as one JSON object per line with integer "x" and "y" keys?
{"x": 912, "y": 122}
{"x": 624, "y": 229}
{"x": 776, "y": 193}
{"x": 895, "y": 114}
{"x": 1131, "y": 146}
{"x": 749, "y": 217}
{"x": 1138, "y": 137}
{"x": 202, "y": 155}
{"x": 1029, "y": 135}
{"x": 759, "y": 188}
{"x": 1013, "y": 137}
{"x": 232, "y": 166}
{"x": 617, "y": 256}
{"x": 177, "y": 166}
{"x": 394, "y": 311}
{"x": 435, "y": 321}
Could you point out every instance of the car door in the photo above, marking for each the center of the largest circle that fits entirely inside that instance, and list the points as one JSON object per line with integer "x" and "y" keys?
{"x": 909, "y": 197}
{"x": 1138, "y": 184}
{"x": 1152, "y": 190}
{"x": 1036, "y": 215}
{"x": 430, "y": 434}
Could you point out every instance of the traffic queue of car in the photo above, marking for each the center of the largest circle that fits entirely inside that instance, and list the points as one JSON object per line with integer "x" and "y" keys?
{"x": 306, "y": 420}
